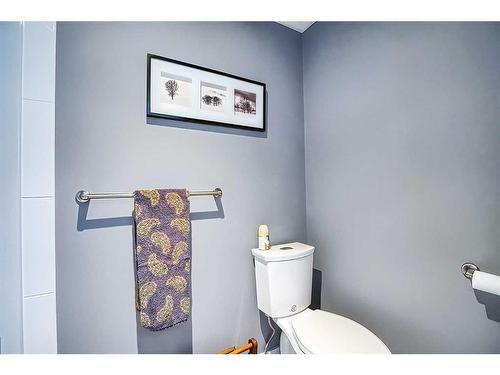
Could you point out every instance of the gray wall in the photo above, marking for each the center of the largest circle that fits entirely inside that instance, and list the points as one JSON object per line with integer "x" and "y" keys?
{"x": 105, "y": 143}
{"x": 10, "y": 247}
{"x": 403, "y": 177}
{"x": 402, "y": 161}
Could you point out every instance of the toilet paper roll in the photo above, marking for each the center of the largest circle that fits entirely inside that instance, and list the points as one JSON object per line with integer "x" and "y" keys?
{"x": 486, "y": 282}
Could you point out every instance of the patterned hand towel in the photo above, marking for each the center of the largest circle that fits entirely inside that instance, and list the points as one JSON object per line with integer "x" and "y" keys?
{"x": 163, "y": 257}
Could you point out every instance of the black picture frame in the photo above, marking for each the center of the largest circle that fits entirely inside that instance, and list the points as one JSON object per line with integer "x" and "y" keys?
{"x": 150, "y": 113}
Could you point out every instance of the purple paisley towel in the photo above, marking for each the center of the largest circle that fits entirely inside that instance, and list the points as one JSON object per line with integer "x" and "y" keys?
{"x": 163, "y": 257}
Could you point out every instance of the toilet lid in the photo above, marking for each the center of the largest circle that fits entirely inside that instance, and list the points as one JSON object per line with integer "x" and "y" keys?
{"x": 321, "y": 332}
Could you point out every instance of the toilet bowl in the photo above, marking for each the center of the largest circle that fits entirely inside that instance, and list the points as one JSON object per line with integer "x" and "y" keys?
{"x": 322, "y": 332}
{"x": 283, "y": 277}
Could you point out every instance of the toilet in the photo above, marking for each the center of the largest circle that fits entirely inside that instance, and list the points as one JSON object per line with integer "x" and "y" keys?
{"x": 283, "y": 278}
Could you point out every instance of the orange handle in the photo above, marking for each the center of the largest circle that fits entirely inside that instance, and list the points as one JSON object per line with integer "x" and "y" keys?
{"x": 251, "y": 346}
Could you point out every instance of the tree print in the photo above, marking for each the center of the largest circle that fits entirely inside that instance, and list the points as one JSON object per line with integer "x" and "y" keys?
{"x": 208, "y": 100}
{"x": 172, "y": 88}
{"x": 246, "y": 106}
{"x": 244, "y": 102}
{"x": 216, "y": 101}
{"x": 211, "y": 100}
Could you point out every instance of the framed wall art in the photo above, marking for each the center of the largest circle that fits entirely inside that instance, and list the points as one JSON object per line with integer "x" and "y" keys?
{"x": 180, "y": 91}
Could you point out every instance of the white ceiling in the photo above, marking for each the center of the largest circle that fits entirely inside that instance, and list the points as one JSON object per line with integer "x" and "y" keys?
{"x": 299, "y": 26}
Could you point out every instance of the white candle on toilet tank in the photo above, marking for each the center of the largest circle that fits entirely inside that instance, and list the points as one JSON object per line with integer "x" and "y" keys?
{"x": 263, "y": 235}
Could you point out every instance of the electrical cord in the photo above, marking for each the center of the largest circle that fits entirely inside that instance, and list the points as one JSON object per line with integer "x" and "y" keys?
{"x": 270, "y": 338}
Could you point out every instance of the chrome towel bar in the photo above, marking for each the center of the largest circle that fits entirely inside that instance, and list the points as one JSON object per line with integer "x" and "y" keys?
{"x": 84, "y": 196}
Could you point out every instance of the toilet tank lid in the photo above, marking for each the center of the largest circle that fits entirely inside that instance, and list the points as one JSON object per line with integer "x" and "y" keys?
{"x": 287, "y": 251}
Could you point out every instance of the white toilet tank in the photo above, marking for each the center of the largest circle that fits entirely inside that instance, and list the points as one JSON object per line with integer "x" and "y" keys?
{"x": 283, "y": 276}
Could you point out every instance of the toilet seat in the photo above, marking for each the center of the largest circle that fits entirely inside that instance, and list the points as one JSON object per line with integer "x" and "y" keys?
{"x": 321, "y": 332}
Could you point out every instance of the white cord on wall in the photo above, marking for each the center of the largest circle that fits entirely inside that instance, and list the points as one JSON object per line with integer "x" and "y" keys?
{"x": 270, "y": 338}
